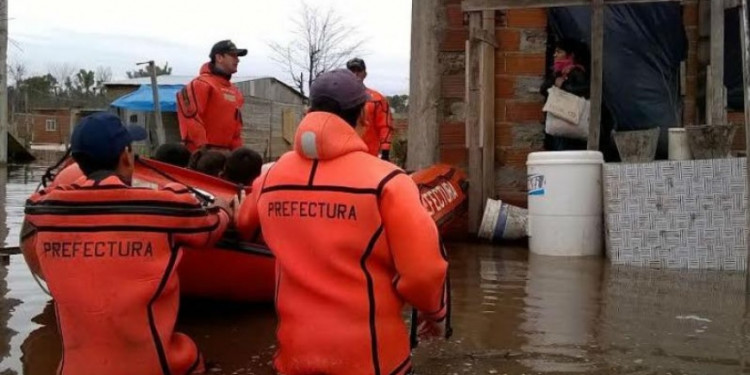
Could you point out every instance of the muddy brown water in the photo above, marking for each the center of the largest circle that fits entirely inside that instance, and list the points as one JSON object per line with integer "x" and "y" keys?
{"x": 513, "y": 313}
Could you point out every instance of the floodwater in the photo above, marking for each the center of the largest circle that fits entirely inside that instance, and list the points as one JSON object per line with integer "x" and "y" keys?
{"x": 513, "y": 313}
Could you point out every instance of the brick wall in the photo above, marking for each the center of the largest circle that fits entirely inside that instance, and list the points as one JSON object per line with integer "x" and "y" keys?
{"x": 690, "y": 18}
{"x": 519, "y": 68}
{"x": 739, "y": 137}
{"x": 34, "y": 126}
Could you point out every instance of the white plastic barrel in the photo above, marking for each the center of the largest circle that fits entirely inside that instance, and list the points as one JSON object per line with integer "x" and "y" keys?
{"x": 565, "y": 203}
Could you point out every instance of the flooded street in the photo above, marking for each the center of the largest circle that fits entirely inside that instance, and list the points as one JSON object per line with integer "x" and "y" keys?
{"x": 513, "y": 313}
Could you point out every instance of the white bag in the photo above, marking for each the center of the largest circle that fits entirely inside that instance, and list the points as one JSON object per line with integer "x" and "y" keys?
{"x": 567, "y": 114}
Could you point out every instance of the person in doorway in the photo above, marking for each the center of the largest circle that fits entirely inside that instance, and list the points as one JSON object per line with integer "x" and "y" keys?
{"x": 363, "y": 244}
{"x": 570, "y": 74}
{"x": 109, "y": 253}
{"x": 209, "y": 107}
{"x": 378, "y": 128}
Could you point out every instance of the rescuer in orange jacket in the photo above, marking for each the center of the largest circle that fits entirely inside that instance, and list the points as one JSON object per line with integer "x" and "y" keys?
{"x": 352, "y": 241}
{"x": 109, "y": 253}
{"x": 209, "y": 107}
{"x": 377, "y": 116}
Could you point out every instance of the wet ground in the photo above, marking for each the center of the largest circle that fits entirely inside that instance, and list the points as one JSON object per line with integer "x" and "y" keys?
{"x": 513, "y": 314}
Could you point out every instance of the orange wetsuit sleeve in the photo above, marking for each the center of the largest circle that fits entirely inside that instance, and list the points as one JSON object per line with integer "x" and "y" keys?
{"x": 207, "y": 231}
{"x": 413, "y": 238}
{"x": 384, "y": 123}
{"x": 246, "y": 219}
{"x": 191, "y": 104}
{"x": 200, "y": 231}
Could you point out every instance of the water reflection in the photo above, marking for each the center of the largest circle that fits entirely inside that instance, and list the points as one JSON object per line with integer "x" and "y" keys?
{"x": 562, "y": 308}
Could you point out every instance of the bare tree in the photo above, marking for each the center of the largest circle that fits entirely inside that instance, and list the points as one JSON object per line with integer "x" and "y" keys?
{"x": 322, "y": 41}
{"x": 17, "y": 71}
{"x": 103, "y": 75}
{"x": 62, "y": 73}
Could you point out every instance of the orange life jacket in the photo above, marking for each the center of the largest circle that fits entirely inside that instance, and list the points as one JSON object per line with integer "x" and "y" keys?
{"x": 109, "y": 253}
{"x": 67, "y": 176}
{"x": 353, "y": 244}
{"x": 209, "y": 112}
{"x": 378, "y": 123}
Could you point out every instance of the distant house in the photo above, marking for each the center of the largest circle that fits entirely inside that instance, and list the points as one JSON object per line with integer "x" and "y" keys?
{"x": 46, "y": 128}
{"x": 271, "y": 113}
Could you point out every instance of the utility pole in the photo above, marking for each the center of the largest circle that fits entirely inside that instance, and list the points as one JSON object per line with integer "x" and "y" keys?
{"x": 3, "y": 82}
{"x": 161, "y": 137}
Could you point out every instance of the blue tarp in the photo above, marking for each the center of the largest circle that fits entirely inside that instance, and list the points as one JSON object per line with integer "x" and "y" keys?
{"x": 143, "y": 99}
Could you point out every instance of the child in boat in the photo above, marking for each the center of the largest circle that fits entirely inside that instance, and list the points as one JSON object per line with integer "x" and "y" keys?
{"x": 210, "y": 162}
{"x": 173, "y": 153}
{"x": 243, "y": 166}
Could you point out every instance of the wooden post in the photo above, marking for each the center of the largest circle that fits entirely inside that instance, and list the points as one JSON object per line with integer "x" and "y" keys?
{"x": 745, "y": 30}
{"x": 424, "y": 85}
{"x": 161, "y": 137}
{"x": 716, "y": 96}
{"x": 473, "y": 126}
{"x": 597, "y": 72}
{"x": 3, "y": 81}
{"x": 487, "y": 115}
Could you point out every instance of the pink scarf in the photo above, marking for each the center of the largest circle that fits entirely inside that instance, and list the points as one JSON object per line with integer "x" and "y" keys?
{"x": 564, "y": 66}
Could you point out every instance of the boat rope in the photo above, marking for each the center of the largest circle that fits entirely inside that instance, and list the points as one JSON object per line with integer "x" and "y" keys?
{"x": 48, "y": 175}
{"x": 41, "y": 285}
{"x": 202, "y": 196}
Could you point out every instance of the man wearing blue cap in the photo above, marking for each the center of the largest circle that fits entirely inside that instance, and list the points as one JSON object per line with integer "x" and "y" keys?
{"x": 109, "y": 253}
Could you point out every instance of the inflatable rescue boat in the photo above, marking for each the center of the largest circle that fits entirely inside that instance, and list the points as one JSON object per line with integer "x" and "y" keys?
{"x": 242, "y": 271}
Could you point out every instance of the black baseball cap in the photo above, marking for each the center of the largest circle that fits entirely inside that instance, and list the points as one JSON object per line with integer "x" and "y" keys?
{"x": 356, "y": 64}
{"x": 341, "y": 86}
{"x": 226, "y": 46}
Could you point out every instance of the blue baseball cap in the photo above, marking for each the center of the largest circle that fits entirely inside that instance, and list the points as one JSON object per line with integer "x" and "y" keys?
{"x": 102, "y": 136}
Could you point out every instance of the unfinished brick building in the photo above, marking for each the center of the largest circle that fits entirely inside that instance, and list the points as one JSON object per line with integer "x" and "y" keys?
{"x": 519, "y": 39}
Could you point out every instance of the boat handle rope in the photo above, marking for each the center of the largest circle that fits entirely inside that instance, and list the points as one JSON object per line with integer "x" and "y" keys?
{"x": 202, "y": 196}
{"x": 48, "y": 175}
{"x": 16, "y": 250}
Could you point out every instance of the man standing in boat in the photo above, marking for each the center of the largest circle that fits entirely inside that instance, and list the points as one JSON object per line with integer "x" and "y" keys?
{"x": 378, "y": 128}
{"x": 109, "y": 253}
{"x": 352, "y": 241}
{"x": 209, "y": 108}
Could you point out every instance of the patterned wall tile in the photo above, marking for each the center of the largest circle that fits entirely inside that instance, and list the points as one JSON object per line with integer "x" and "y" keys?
{"x": 686, "y": 214}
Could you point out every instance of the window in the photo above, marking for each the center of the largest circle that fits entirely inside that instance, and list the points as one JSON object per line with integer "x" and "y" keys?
{"x": 50, "y": 125}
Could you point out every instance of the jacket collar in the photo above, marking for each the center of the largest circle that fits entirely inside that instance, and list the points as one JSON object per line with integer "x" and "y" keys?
{"x": 324, "y": 136}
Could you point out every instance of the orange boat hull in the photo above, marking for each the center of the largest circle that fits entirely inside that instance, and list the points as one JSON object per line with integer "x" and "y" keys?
{"x": 245, "y": 272}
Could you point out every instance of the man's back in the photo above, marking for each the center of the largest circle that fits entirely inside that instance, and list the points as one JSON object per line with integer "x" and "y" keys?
{"x": 345, "y": 231}
{"x": 109, "y": 253}
{"x": 378, "y": 122}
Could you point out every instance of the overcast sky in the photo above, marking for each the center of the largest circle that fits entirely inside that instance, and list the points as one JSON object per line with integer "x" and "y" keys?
{"x": 93, "y": 33}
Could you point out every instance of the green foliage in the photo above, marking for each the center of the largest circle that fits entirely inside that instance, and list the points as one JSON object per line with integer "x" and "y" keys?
{"x": 146, "y": 72}
{"x": 399, "y": 103}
